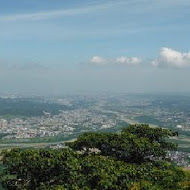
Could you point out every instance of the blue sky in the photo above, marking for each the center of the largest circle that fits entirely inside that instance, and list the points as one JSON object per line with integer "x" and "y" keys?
{"x": 58, "y": 46}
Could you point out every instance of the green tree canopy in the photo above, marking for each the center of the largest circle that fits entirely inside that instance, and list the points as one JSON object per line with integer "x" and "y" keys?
{"x": 137, "y": 143}
{"x": 125, "y": 161}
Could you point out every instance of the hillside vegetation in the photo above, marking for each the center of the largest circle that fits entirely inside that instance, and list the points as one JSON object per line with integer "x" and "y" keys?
{"x": 134, "y": 159}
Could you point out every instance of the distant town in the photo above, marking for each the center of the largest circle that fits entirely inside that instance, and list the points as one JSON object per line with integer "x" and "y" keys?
{"x": 67, "y": 122}
{"x": 57, "y": 119}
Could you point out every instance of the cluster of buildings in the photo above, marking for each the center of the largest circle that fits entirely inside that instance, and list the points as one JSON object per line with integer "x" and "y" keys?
{"x": 178, "y": 118}
{"x": 180, "y": 158}
{"x": 67, "y": 122}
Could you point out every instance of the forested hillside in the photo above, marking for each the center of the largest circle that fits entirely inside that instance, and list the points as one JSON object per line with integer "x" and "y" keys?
{"x": 27, "y": 107}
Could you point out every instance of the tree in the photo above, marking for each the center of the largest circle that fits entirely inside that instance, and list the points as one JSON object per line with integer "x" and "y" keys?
{"x": 137, "y": 143}
{"x": 40, "y": 167}
{"x": 126, "y": 161}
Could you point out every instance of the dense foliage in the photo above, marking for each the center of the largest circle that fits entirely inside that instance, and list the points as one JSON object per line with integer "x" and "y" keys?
{"x": 137, "y": 143}
{"x": 133, "y": 159}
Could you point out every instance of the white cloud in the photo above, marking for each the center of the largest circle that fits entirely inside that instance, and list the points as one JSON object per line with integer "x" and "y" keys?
{"x": 133, "y": 7}
{"x": 128, "y": 61}
{"x": 172, "y": 58}
{"x": 97, "y": 60}
{"x": 120, "y": 60}
{"x": 44, "y": 15}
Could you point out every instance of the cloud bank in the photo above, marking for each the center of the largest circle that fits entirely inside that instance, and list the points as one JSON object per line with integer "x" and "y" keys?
{"x": 167, "y": 58}
{"x": 97, "y": 60}
{"x": 128, "y": 61}
{"x": 172, "y": 58}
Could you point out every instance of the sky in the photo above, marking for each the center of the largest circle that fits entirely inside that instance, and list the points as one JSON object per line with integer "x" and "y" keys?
{"x": 53, "y": 47}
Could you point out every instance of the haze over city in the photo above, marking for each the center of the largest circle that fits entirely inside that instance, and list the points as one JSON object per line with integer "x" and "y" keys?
{"x": 94, "y": 94}
{"x": 57, "y": 47}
